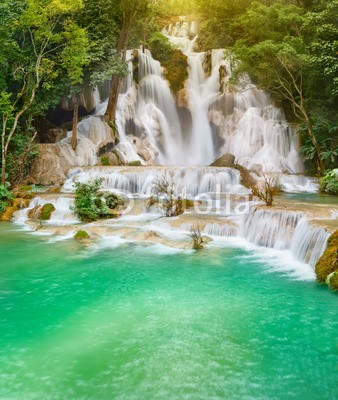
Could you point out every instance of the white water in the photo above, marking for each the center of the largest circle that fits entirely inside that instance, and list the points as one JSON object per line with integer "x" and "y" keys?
{"x": 187, "y": 181}
{"x": 239, "y": 120}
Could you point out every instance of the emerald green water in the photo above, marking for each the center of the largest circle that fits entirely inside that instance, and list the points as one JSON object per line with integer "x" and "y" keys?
{"x": 131, "y": 323}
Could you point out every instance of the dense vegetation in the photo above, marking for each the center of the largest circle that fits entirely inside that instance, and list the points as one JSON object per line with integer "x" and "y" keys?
{"x": 91, "y": 205}
{"x": 289, "y": 48}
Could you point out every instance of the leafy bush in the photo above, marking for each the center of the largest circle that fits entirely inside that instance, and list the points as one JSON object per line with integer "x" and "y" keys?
{"x": 329, "y": 183}
{"x": 81, "y": 235}
{"x": 5, "y": 198}
{"x": 90, "y": 205}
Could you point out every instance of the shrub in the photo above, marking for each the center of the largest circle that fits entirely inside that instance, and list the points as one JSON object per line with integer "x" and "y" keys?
{"x": 90, "y": 205}
{"x": 105, "y": 161}
{"x": 136, "y": 163}
{"x": 81, "y": 235}
{"x": 265, "y": 190}
{"x": 329, "y": 183}
{"x": 6, "y": 198}
{"x": 164, "y": 196}
{"x": 46, "y": 212}
{"x": 196, "y": 238}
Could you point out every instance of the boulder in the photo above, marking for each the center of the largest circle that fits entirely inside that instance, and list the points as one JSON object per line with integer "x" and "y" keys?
{"x": 327, "y": 266}
{"x": 55, "y": 135}
{"x": 140, "y": 148}
{"x": 227, "y": 160}
{"x": 113, "y": 159}
{"x": 20, "y": 203}
{"x": 8, "y": 213}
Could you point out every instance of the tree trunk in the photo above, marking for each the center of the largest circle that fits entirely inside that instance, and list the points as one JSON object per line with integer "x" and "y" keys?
{"x": 121, "y": 51}
{"x": 75, "y": 122}
{"x": 3, "y": 166}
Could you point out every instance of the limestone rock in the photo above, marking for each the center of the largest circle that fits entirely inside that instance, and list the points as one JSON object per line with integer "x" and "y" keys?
{"x": 55, "y": 135}
{"x": 55, "y": 159}
{"x": 328, "y": 263}
{"x": 140, "y": 148}
{"x": 113, "y": 160}
{"x": 20, "y": 203}
{"x": 183, "y": 98}
{"x": 227, "y": 160}
{"x": 8, "y": 213}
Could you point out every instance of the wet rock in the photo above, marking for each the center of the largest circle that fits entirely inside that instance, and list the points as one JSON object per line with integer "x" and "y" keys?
{"x": 113, "y": 160}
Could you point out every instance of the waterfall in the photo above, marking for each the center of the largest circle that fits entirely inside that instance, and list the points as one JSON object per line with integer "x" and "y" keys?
{"x": 284, "y": 230}
{"x": 274, "y": 229}
{"x": 187, "y": 181}
{"x": 309, "y": 242}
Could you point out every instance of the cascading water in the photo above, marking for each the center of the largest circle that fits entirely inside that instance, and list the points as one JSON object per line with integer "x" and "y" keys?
{"x": 247, "y": 123}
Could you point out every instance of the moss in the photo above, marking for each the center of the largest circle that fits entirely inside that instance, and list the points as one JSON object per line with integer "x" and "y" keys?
{"x": 328, "y": 263}
{"x": 135, "y": 62}
{"x": 333, "y": 281}
{"x": 177, "y": 70}
{"x": 173, "y": 60}
{"x": 81, "y": 235}
{"x": 26, "y": 188}
{"x": 46, "y": 212}
{"x": 135, "y": 163}
{"x": 188, "y": 203}
{"x": 105, "y": 161}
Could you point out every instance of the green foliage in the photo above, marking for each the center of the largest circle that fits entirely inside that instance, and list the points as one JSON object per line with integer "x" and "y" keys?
{"x": 105, "y": 161}
{"x": 327, "y": 267}
{"x": 46, "y": 212}
{"x": 86, "y": 201}
{"x": 6, "y": 198}
{"x": 173, "y": 60}
{"x": 329, "y": 183}
{"x": 81, "y": 235}
{"x": 90, "y": 205}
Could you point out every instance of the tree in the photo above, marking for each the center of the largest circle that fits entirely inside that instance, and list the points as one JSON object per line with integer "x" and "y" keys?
{"x": 265, "y": 190}
{"x": 39, "y": 45}
{"x": 164, "y": 194}
{"x": 130, "y": 10}
{"x": 277, "y": 57}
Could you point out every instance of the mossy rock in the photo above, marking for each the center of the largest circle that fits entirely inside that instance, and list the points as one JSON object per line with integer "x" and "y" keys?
{"x": 81, "y": 235}
{"x": 20, "y": 203}
{"x": 328, "y": 263}
{"x": 8, "y": 213}
{"x": 105, "y": 161}
{"x": 135, "y": 163}
{"x": 46, "y": 212}
{"x": 333, "y": 281}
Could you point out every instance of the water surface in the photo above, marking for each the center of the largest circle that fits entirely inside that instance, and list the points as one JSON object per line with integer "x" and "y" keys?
{"x": 136, "y": 322}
